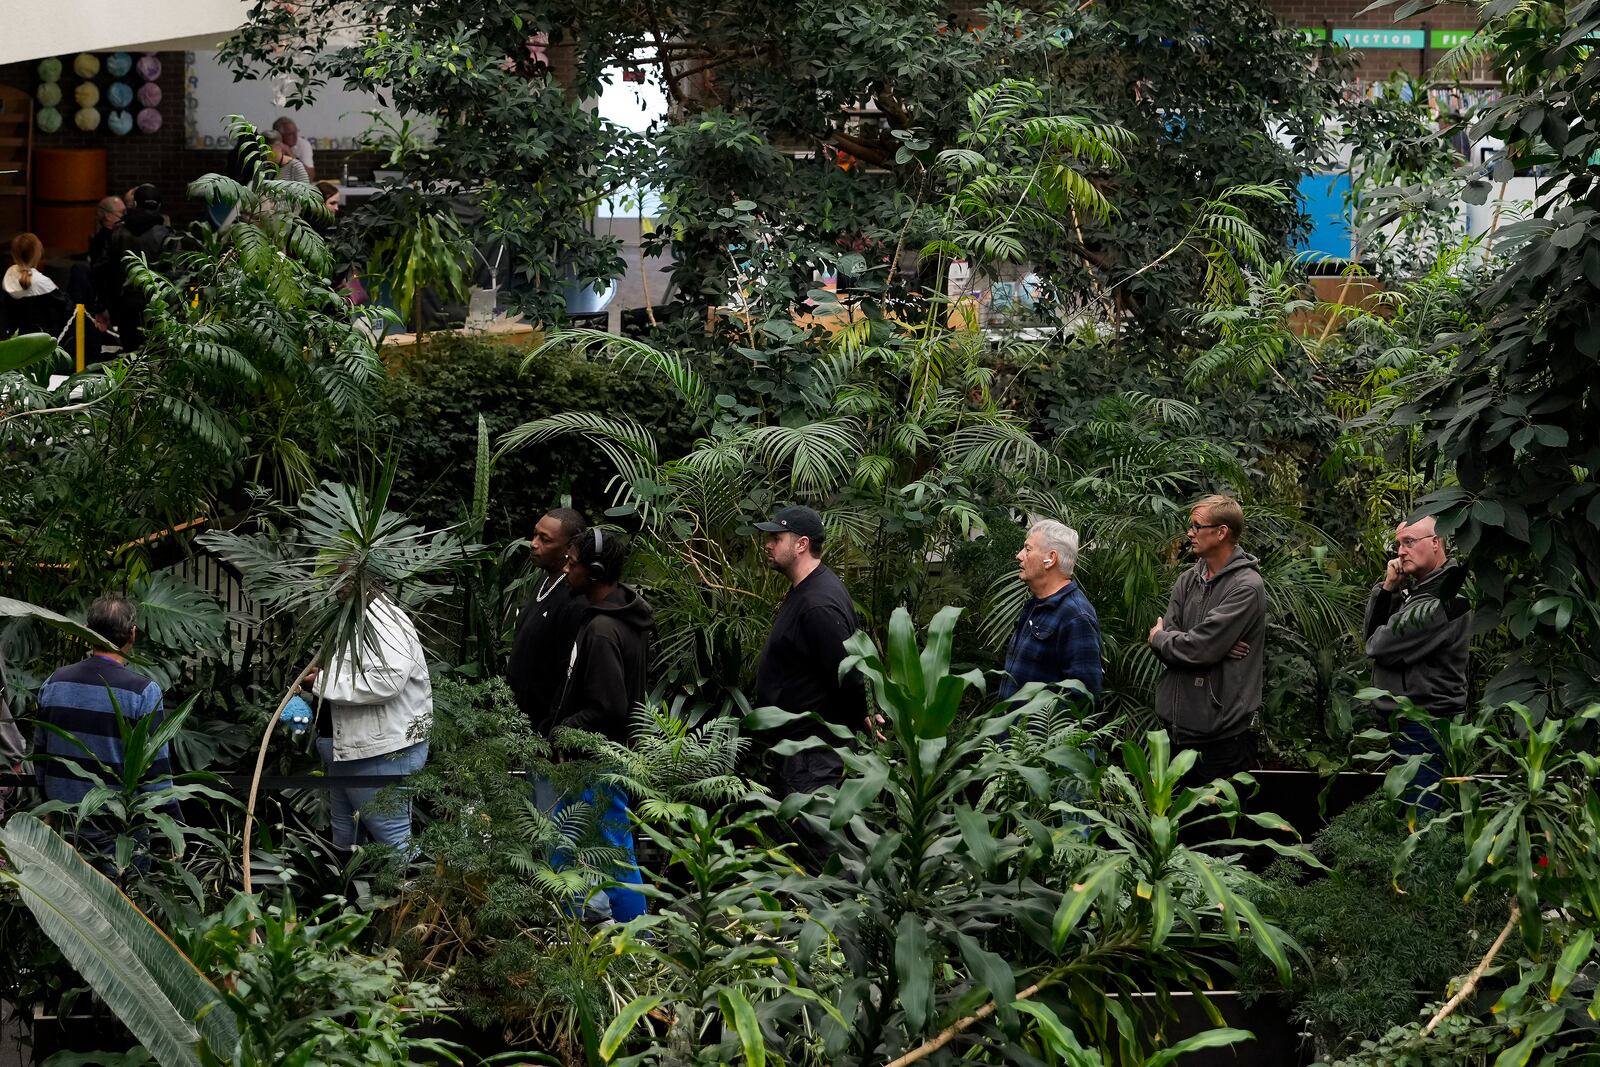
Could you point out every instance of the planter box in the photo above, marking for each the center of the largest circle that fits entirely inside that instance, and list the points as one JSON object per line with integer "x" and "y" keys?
{"x": 1277, "y": 1040}
{"x": 1299, "y": 796}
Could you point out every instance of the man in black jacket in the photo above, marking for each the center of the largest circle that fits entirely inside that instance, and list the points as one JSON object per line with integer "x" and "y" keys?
{"x": 1418, "y": 630}
{"x": 144, "y": 232}
{"x": 605, "y": 683}
{"x": 799, "y": 668}
{"x": 541, "y": 651}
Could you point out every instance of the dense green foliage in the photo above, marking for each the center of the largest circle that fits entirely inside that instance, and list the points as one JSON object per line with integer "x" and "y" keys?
{"x": 989, "y": 883}
{"x": 434, "y": 400}
{"x": 1373, "y": 948}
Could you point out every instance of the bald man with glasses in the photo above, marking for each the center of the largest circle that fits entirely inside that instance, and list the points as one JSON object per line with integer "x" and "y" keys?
{"x": 1418, "y": 630}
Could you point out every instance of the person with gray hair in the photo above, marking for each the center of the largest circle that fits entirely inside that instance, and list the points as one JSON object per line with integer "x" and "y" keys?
{"x": 1057, "y": 638}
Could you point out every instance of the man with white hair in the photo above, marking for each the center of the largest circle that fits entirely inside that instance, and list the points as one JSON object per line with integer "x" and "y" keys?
{"x": 1058, "y": 633}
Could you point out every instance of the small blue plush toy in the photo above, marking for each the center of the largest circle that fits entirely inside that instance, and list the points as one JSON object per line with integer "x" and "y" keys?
{"x": 296, "y": 715}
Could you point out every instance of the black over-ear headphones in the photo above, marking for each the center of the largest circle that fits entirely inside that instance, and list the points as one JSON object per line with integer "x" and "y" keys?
{"x": 597, "y": 569}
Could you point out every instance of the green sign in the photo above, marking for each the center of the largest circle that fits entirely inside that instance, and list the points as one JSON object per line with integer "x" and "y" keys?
{"x": 1313, "y": 34}
{"x": 1447, "y": 39}
{"x": 1378, "y": 38}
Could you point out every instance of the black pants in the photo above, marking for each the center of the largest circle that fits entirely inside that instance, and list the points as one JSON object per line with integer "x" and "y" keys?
{"x": 807, "y": 772}
{"x": 1220, "y": 757}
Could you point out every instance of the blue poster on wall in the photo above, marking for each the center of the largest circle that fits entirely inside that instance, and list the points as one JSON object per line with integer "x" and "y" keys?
{"x": 1322, "y": 196}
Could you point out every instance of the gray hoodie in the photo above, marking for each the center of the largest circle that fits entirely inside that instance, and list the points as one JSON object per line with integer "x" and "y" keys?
{"x": 1204, "y": 695}
{"x": 1418, "y": 639}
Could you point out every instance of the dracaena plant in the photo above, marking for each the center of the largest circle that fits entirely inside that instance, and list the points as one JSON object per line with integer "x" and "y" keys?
{"x": 961, "y": 921}
{"x": 1520, "y": 792}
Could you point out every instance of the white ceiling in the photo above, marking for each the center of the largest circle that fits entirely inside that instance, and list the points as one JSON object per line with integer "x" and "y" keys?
{"x": 33, "y": 30}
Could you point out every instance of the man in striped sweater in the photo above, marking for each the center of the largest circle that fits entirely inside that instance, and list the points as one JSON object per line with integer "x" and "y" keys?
{"x": 83, "y": 700}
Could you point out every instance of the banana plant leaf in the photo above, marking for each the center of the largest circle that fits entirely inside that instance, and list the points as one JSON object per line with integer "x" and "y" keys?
{"x": 153, "y": 987}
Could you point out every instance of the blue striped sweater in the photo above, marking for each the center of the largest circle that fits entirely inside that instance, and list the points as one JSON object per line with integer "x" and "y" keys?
{"x": 83, "y": 700}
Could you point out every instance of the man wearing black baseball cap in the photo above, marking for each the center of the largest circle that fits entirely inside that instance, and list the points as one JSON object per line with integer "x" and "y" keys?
{"x": 799, "y": 669}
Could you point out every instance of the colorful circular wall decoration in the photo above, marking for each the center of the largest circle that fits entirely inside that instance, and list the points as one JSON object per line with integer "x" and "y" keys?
{"x": 130, "y": 101}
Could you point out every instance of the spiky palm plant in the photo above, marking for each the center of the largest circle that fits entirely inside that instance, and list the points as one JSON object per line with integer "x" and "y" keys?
{"x": 341, "y": 547}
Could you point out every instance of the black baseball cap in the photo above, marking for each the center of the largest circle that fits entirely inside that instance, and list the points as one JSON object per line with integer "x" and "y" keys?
{"x": 797, "y": 519}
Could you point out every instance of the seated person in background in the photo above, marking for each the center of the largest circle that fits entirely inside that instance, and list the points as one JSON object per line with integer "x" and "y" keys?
{"x": 297, "y": 146}
{"x": 32, "y": 302}
{"x": 290, "y": 169}
{"x": 104, "y": 272}
{"x": 144, "y": 232}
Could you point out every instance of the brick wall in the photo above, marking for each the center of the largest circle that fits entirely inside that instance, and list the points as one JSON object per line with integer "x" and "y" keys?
{"x": 1377, "y": 64}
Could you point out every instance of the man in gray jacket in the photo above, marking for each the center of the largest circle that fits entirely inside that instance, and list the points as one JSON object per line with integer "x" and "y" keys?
{"x": 1418, "y": 629}
{"x": 1210, "y": 642}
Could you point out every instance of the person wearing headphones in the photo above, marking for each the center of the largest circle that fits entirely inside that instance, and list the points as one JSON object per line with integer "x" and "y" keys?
{"x": 605, "y": 684}
{"x": 1058, "y": 633}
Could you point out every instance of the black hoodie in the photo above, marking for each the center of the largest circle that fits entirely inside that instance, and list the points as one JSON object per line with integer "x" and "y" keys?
{"x": 609, "y": 660}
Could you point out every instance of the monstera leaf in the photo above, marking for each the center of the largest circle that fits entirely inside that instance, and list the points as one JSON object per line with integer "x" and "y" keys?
{"x": 177, "y": 614}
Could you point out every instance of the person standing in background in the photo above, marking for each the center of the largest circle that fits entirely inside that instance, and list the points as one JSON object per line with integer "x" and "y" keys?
{"x": 1210, "y": 642}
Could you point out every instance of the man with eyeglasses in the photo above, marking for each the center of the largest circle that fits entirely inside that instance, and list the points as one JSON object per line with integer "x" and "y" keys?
{"x": 1210, "y": 642}
{"x": 1418, "y": 629}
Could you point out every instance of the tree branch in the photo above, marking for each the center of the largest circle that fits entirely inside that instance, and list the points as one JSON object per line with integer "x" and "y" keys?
{"x": 1477, "y": 973}
{"x": 954, "y": 1030}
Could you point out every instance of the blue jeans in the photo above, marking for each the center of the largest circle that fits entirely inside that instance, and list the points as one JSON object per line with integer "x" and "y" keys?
{"x": 359, "y": 816}
{"x": 1414, "y": 739}
{"x": 616, "y": 830}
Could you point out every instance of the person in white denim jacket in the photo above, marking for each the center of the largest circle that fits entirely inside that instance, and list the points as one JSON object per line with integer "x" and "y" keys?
{"x": 379, "y": 704}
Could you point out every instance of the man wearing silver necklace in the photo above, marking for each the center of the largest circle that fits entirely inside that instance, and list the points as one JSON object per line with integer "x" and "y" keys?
{"x": 548, "y": 625}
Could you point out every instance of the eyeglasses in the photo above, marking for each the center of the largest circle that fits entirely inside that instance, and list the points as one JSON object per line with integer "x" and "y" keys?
{"x": 1413, "y": 542}
{"x": 1193, "y": 526}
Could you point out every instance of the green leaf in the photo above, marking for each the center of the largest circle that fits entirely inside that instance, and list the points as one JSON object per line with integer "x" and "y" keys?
{"x": 905, "y": 662}
{"x": 913, "y": 965}
{"x": 1053, "y": 1032}
{"x": 1209, "y": 1039}
{"x": 153, "y": 988}
{"x": 617, "y": 1033}
{"x": 856, "y": 793}
{"x": 736, "y": 1009}
{"x": 24, "y": 350}
{"x": 1100, "y": 879}
{"x": 992, "y": 971}
{"x": 1573, "y": 957}
{"x": 21, "y": 609}
{"x": 979, "y": 839}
